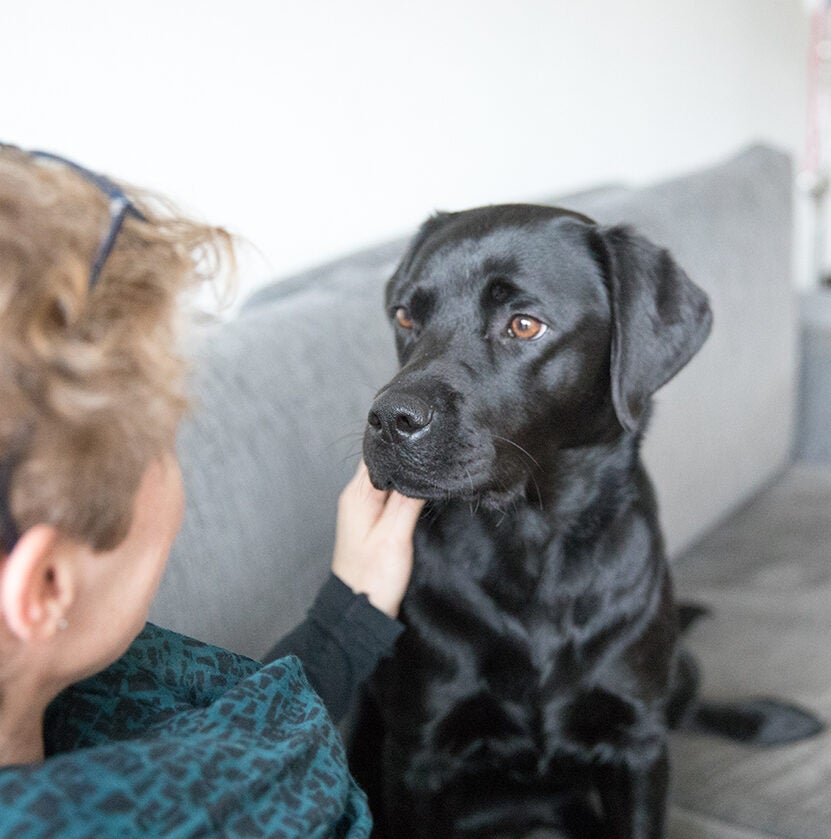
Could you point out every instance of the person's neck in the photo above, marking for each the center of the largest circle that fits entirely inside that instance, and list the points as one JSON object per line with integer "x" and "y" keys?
{"x": 21, "y": 727}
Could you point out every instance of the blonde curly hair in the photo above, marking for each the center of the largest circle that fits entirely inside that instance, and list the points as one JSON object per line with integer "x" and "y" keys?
{"x": 91, "y": 378}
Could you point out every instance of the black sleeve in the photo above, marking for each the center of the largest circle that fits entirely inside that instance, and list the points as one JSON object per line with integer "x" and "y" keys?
{"x": 339, "y": 643}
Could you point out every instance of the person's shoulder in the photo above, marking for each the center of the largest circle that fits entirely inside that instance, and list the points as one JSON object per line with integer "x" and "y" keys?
{"x": 172, "y": 656}
{"x": 163, "y": 673}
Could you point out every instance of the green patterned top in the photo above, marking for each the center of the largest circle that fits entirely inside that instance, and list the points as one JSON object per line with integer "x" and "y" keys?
{"x": 182, "y": 739}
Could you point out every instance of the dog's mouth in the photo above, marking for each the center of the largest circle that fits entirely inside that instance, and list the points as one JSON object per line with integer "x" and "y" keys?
{"x": 470, "y": 486}
{"x": 404, "y": 481}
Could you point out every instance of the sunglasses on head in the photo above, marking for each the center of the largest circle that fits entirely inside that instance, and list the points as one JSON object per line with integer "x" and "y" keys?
{"x": 120, "y": 206}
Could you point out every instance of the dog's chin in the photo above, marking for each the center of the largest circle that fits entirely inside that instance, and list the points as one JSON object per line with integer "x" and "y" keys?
{"x": 482, "y": 496}
{"x": 408, "y": 485}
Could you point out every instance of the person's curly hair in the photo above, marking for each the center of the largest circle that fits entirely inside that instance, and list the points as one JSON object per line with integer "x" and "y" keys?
{"x": 91, "y": 380}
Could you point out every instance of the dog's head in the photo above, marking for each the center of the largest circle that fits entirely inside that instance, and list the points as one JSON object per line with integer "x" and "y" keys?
{"x": 523, "y": 330}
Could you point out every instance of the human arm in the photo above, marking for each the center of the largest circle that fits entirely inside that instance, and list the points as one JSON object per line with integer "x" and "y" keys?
{"x": 340, "y": 643}
{"x": 351, "y": 624}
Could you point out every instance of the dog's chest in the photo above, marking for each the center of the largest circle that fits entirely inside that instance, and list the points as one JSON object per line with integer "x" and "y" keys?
{"x": 507, "y": 648}
{"x": 523, "y": 638}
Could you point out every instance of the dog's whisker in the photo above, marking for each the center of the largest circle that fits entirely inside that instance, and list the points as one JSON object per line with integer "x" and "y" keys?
{"x": 516, "y": 445}
{"x": 473, "y": 494}
{"x": 352, "y": 447}
{"x": 430, "y": 515}
{"x": 537, "y": 488}
{"x": 349, "y": 436}
{"x": 352, "y": 455}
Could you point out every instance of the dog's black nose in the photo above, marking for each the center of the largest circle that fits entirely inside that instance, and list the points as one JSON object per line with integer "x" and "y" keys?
{"x": 399, "y": 417}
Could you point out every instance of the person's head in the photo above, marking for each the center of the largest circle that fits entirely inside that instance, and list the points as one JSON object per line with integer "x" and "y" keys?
{"x": 91, "y": 393}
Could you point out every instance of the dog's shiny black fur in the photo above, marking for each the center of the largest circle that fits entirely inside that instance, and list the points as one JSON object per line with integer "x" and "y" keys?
{"x": 539, "y": 672}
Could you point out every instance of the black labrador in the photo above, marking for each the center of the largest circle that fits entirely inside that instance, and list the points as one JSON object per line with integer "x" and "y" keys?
{"x": 540, "y": 671}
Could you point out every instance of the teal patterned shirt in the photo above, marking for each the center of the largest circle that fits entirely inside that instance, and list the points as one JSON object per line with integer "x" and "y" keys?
{"x": 182, "y": 739}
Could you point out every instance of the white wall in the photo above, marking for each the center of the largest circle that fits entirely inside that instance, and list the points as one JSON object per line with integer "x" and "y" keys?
{"x": 315, "y": 127}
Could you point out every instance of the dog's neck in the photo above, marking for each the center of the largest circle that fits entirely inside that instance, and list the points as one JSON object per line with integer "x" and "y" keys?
{"x": 540, "y": 540}
{"x": 575, "y": 485}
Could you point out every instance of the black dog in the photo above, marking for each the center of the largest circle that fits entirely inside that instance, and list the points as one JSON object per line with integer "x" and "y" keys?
{"x": 540, "y": 671}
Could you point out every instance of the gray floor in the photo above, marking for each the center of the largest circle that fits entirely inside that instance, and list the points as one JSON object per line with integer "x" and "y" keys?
{"x": 766, "y": 574}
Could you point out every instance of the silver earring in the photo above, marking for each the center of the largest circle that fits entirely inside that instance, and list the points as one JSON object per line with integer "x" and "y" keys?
{"x": 63, "y": 623}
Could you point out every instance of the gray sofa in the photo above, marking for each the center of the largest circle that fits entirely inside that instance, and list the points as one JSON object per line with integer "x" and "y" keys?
{"x": 282, "y": 391}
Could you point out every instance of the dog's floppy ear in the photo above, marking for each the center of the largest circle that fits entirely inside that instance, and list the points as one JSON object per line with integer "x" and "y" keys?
{"x": 660, "y": 319}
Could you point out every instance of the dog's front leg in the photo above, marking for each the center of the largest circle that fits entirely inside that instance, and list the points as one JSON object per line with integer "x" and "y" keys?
{"x": 413, "y": 807}
{"x": 634, "y": 796}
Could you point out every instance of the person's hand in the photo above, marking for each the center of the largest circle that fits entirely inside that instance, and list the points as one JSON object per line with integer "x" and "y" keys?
{"x": 374, "y": 541}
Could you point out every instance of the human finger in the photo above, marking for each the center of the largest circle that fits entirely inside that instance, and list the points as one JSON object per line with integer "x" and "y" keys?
{"x": 360, "y": 499}
{"x": 401, "y": 513}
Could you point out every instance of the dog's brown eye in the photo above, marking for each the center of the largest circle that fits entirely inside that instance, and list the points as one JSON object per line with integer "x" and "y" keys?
{"x": 402, "y": 316}
{"x": 526, "y": 328}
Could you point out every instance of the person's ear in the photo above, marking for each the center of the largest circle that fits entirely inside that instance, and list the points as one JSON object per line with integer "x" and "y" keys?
{"x": 37, "y": 585}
